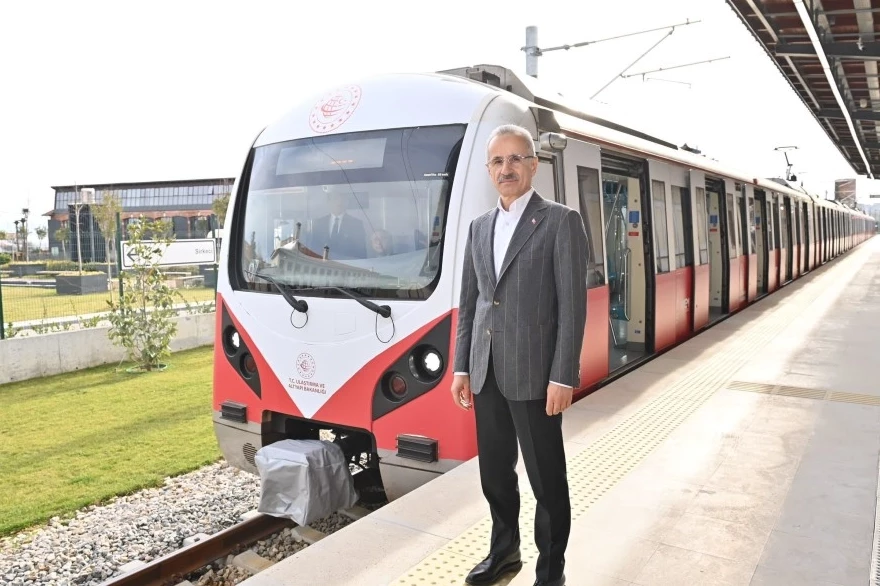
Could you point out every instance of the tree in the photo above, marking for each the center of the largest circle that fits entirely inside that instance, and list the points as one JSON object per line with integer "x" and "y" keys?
{"x": 62, "y": 234}
{"x": 143, "y": 320}
{"x": 219, "y": 206}
{"x": 41, "y": 232}
{"x": 23, "y": 237}
{"x": 105, "y": 214}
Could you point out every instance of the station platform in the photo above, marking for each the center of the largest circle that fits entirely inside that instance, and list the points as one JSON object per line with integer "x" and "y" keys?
{"x": 747, "y": 455}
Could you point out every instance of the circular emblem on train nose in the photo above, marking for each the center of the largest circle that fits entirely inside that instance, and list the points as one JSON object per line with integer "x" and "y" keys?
{"x": 334, "y": 108}
{"x": 305, "y": 365}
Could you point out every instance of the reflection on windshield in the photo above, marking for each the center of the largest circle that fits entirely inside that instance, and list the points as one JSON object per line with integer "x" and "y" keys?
{"x": 335, "y": 212}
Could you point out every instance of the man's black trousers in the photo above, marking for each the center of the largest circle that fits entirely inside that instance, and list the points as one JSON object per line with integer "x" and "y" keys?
{"x": 499, "y": 424}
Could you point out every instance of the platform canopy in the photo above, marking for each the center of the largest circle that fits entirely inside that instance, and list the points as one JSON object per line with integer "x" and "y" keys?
{"x": 828, "y": 51}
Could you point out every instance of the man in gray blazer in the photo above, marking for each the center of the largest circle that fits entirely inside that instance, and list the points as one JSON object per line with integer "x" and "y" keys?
{"x": 521, "y": 320}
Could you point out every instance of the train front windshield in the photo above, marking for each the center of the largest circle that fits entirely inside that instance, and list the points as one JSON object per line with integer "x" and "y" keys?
{"x": 363, "y": 211}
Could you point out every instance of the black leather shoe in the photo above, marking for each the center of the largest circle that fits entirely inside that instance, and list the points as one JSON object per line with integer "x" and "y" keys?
{"x": 493, "y": 567}
{"x": 559, "y": 582}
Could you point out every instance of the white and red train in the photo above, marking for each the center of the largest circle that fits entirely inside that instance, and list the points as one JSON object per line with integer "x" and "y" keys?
{"x": 350, "y": 328}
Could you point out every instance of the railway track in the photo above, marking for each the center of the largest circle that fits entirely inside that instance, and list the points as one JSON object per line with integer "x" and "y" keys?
{"x": 174, "y": 567}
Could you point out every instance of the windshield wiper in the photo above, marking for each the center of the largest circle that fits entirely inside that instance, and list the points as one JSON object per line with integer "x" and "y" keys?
{"x": 383, "y": 310}
{"x": 299, "y": 305}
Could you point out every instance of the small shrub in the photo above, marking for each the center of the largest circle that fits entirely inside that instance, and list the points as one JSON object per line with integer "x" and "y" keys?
{"x": 142, "y": 321}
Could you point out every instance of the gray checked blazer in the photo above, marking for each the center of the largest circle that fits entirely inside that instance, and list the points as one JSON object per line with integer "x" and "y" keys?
{"x": 532, "y": 317}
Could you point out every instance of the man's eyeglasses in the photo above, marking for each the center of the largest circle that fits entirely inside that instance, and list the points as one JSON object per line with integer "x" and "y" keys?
{"x": 512, "y": 160}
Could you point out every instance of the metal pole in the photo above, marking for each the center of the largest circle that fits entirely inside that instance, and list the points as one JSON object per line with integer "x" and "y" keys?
{"x": 78, "y": 240}
{"x": 119, "y": 252}
{"x": 532, "y": 52}
{"x": 2, "y": 326}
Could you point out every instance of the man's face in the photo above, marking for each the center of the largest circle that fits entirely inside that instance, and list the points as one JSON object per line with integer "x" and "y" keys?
{"x": 511, "y": 179}
{"x": 337, "y": 203}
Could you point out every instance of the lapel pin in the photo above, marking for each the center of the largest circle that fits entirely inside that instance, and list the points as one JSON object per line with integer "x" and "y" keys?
{"x": 533, "y": 220}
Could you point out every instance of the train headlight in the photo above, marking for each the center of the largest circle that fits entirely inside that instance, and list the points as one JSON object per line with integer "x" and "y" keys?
{"x": 248, "y": 365}
{"x": 397, "y": 384}
{"x": 426, "y": 363}
{"x": 432, "y": 362}
{"x": 394, "y": 387}
{"x": 231, "y": 341}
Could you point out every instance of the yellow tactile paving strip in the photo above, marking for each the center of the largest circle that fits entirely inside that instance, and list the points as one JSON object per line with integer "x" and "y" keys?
{"x": 598, "y": 468}
{"x": 802, "y": 393}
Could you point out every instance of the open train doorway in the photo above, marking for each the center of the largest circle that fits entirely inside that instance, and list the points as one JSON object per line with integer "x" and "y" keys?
{"x": 622, "y": 196}
{"x": 719, "y": 273}
{"x": 761, "y": 241}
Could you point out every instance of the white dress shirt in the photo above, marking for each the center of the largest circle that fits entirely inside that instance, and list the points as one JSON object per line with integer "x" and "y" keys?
{"x": 333, "y": 218}
{"x": 505, "y": 223}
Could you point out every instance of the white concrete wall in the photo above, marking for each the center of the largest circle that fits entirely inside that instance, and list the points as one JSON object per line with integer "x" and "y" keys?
{"x": 32, "y": 356}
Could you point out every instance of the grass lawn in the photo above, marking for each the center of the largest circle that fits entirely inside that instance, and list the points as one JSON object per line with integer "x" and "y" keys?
{"x": 27, "y": 303}
{"x": 73, "y": 439}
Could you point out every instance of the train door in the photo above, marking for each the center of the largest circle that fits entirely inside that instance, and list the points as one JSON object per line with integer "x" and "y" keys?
{"x": 665, "y": 302}
{"x": 700, "y": 244}
{"x": 808, "y": 238}
{"x": 583, "y": 192}
{"x": 797, "y": 249}
{"x": 787, "y": 243}
{"x": 623, "y": 182}
{"x": 719, "y": 262}
{"x": 682, "y": 233}
{"x": 747, "y": 219}
{"x": 734, "y": 248}
{"x": 761, "y": 243}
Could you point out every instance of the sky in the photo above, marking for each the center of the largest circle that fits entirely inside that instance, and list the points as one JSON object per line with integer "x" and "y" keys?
{"x": 104, "y": 92}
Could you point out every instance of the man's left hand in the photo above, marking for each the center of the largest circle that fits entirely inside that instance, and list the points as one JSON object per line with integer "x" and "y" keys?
{"x": 558, "y": 398}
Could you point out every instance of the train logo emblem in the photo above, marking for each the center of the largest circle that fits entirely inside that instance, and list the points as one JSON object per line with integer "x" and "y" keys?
{"x": 334, "y": 108}
{"x": 305, "y": 365}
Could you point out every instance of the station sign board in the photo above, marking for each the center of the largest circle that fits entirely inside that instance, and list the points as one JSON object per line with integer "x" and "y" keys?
{"x": 179, "y": 252}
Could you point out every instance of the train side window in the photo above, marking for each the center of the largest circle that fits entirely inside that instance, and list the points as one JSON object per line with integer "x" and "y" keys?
{"x": 681, "y": 259}
{"x": 589, "y": 194}
{"x": 661, "y": 234}
{"x": 702, "y": 227}
{"x": 733, "y": 242}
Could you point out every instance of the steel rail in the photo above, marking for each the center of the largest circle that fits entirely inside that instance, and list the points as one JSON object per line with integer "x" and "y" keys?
{"x": 171, "y": 568}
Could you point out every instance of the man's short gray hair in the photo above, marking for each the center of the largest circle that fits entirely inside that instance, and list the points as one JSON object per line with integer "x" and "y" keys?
{"x": 515, "y": 130}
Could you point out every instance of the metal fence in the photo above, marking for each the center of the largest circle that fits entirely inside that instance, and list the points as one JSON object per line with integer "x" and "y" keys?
{"x": 73, "y": 289}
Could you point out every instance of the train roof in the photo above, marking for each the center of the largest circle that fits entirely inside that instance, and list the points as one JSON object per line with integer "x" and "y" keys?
{"x": 567, "y": 116}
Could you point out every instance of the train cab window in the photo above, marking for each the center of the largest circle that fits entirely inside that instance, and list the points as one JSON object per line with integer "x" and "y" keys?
{"x": 591, "y": 201}
{"x": 364, "y": 211}
{"x": 702, "y": 227}
{"x": 678, "y": 223}
{"x": 733, "y": 230}
{"x": 661, "y": 234}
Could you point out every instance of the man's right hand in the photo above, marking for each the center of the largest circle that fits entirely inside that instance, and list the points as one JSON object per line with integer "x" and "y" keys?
{"x": 461, "y": 392}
